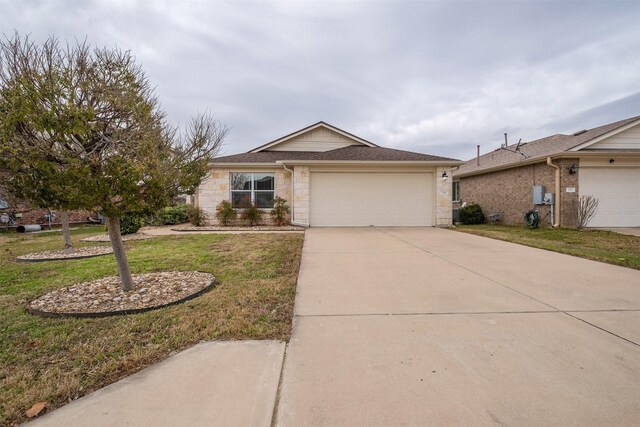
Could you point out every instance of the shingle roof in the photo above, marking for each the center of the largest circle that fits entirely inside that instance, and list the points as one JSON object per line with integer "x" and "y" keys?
{"x": 350, "y": 153}
{"x": 543, "y": 147}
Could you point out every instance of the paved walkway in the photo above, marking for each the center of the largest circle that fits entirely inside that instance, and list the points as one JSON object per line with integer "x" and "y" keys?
{"x": 212, "y": 384}
{"x": 433, "y": 327}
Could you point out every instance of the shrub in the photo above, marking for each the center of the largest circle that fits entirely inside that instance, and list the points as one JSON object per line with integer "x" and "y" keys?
{"x": 472, "y": 214}
{"x": 169, "y": 215}
{"x": 250, "y": 212}
{"x": 225, "y": 212}
{"x": 174, "y": 214}
{"x": 196, "y": 215}
{"x": 587, "y": 208}
{"x": 131, "y": 223}
{"x": 280, "y": 210}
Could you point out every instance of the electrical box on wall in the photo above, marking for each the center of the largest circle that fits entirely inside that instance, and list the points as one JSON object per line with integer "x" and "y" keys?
{"x": 549, "y": 199}
{"x": 538, "y": 194}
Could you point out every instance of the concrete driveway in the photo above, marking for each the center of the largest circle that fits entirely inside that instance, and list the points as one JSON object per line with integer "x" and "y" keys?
{"x": 422, "y": 326}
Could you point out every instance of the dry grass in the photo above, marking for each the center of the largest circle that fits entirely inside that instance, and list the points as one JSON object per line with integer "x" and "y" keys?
{"x": 597, "y": 245}
{"x": 59, "y": 360}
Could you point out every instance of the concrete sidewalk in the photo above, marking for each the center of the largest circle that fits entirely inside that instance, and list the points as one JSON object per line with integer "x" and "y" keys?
{"x": 231, "y": 383}
{"x": 423, "y": 326}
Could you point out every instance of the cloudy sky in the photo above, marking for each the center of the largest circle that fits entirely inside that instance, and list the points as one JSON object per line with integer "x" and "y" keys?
{"x": 435, "y": 77}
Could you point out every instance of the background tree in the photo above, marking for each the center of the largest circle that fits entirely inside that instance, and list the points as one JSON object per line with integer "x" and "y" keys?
{"x": 33, "y": 118}
{"x": 95, "y": 134}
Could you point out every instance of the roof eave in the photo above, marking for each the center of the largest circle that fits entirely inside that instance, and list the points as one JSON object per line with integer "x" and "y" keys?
{"x": 372, "y": 162}
{"x": 539, "y": 159}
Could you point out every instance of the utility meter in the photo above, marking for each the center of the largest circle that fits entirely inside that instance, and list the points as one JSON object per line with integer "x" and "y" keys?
{"x": 549, "y": 199}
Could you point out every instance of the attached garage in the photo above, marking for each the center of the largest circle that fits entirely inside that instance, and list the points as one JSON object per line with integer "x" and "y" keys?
{"x": 618, "y": 192}
{"x": 348, "y": 199}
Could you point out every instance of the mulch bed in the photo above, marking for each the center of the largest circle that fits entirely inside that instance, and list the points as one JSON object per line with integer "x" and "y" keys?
{"x": 105, "y": 297}
{"x": 56, "y": 255}
{"x": 125, "y": 238}
{"x": 239, "y": 228}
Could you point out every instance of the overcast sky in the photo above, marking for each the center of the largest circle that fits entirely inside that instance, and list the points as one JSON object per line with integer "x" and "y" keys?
{"x": 434, "y": 77}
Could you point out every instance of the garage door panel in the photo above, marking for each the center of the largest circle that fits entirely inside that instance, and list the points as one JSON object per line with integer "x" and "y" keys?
{"x": 618, "y": 193}
{"x": 362, "y": 199}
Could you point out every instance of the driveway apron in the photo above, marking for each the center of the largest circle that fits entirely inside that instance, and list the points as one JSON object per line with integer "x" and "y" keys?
{"x": 424, "y": 326}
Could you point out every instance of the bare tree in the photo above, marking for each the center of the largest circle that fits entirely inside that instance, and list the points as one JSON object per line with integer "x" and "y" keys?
{"x": 94, "y": 136}
{"x": 586, "y": 209}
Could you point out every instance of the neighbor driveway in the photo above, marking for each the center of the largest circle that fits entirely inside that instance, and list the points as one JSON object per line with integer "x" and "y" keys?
{"x": 423, "y": 326}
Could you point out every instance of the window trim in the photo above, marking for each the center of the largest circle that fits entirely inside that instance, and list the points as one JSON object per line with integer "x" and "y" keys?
{"x": 252, "y": 191}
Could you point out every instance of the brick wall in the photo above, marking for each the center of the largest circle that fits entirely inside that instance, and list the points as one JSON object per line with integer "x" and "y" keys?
{"x": 509, "y": 191}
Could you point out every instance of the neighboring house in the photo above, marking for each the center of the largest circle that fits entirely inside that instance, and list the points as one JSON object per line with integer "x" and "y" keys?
{"x": 603, "y": 162}
{"x": 333, "y": 178}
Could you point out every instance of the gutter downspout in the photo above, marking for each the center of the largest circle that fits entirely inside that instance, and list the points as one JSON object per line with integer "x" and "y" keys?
{"x": 293, "y": 186}
{"x": 556, "y": 218}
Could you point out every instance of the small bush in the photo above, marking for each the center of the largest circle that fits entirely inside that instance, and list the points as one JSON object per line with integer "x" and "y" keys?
{"x": 280, "y": 211}
{"x": 250, "y": 212}
{"x": 472, "y": 214}
{"x": 587, "y": 208}
{"x": 225, "y": 213}
{"x": 131, "y": 223}
{"x": 196, "y": 215}
{"x": 174, "y": 214}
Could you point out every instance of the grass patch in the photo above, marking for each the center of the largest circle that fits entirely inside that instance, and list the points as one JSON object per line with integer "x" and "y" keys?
{"x": 58, "y": 360}
{"x": 597, "y": 245}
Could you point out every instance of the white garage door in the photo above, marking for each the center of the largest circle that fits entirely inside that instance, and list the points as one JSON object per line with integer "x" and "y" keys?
{"x": 618, "y": 192}
{"x": 363, "y": 199}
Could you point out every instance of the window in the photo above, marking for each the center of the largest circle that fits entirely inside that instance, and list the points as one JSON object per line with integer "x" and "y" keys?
{"x": 456, "y": 191}
{"x": 252, "y": 187}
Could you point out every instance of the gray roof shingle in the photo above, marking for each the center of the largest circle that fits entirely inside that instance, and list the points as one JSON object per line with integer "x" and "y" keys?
{"x": 350, "y": 153}
{"x": 543, "y": 147}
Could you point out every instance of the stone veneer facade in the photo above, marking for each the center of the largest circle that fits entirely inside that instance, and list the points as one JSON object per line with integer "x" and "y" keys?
{"x": 216, "y": 188}
{"x": 509, "y": 191}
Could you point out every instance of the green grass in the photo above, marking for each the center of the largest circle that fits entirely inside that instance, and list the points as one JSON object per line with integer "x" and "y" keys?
{"x": 598, "y": 245}
{"x": 57, "y": 360}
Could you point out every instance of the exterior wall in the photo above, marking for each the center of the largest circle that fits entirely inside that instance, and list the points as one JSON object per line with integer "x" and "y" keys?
{"x": 444, "y": 205}
{"x": 216, "y": 188}
{"x": 302, "y": 179}
{"x": 26, "y": 214}
{"x": 319, "y": 139}
{"x": 509, "y": 191}
{"x": 37, "y": 216}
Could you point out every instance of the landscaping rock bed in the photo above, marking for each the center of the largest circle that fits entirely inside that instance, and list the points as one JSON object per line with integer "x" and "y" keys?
{"x": 125, "y": 238}
{"x": 239, "y": 228}
{"x": 57, "y": 255}
{"x": 105, "y": 297}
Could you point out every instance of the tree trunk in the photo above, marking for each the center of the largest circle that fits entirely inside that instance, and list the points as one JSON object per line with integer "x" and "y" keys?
{"x": 113, "y": 224}
{"x": 66, "y": 232}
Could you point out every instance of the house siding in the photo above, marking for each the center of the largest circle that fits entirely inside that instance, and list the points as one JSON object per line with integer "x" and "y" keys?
{"x": 320, "y": 139}
{"x": 509, "y": 191}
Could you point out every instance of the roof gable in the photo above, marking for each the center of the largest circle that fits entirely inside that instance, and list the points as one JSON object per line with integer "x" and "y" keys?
{"x": 625, "y": 137}
{"x": 549, "y": 146}
{"x": 319, "y": 137}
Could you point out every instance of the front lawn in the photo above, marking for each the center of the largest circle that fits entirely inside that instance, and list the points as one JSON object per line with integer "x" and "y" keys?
{"x": 58, "y": 360}
{"x": 598, "y": 245}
